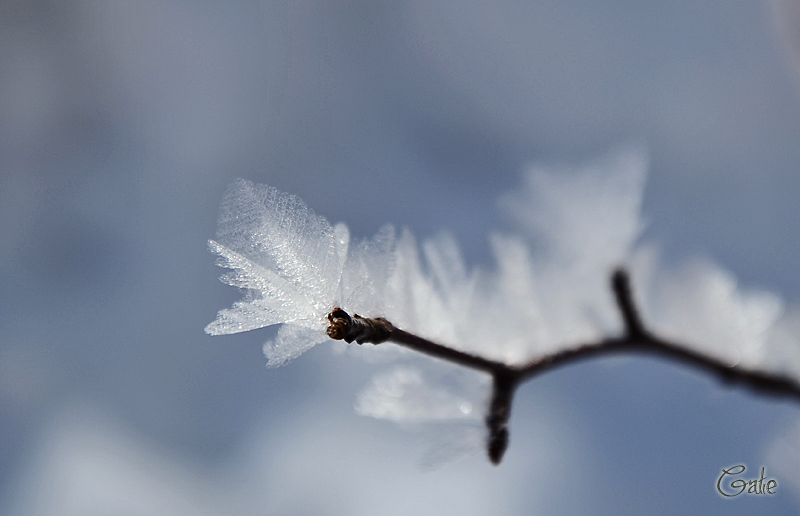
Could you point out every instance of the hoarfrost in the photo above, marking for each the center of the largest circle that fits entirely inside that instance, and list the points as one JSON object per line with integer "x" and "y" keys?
{"x": 444, "y": 404}
{"x": 549, "y": 290}
{"x": 702, "y": 305}
{"x": 292, "y": 266}
{"x": 404, "y": 394}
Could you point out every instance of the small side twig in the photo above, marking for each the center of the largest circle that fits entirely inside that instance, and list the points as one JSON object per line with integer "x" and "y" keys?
{"x": 506, "y": 378}
{"x": 621, "y": 285}
{"x": 503, "y": 387}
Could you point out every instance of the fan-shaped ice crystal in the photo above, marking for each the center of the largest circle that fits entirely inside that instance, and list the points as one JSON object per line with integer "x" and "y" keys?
{"x": 292, "y": 266}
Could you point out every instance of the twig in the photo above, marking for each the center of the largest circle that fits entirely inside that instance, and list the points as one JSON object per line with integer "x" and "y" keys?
{"x": 506, "y": 378}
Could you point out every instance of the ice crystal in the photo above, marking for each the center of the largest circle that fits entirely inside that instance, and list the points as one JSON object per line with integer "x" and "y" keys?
{"x": 292, "y": 266}
{"x": 548, "y": 291}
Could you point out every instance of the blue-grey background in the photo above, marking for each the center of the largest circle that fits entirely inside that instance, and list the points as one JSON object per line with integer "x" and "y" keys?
{"x": 121, "y": 123}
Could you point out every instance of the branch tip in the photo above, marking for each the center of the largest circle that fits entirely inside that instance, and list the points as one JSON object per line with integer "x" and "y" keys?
{"x": 341, "y": 326}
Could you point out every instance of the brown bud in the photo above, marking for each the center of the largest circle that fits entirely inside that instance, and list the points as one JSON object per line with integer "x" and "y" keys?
{"x": 339, "y": 323}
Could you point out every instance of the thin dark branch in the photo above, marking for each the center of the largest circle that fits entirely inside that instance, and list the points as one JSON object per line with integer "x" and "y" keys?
{"x": 758, "y": 381}
{"x": 506, "y": 378}
{"x": 365, "y": 330}
{"x": 411, "y": 341}
{"x": 621, "y": 285}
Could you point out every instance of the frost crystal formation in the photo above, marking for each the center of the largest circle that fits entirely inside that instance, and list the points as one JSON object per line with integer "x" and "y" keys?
{"x": 548, "y": 292}
{"x": 293, "y": 267}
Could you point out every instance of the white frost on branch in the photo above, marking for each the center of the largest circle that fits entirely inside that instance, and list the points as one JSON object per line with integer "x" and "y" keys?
{"x": 404, "y": 394}
{"x": 702, "y": 305}
{"x": 549, "y": 290}
{"x": 443, "y": 403}
{"x": 293, "y": 267}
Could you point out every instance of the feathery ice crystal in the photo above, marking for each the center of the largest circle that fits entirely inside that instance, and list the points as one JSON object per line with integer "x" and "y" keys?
{"x": 293, "y": 267}
{"x": 548, "y": 292}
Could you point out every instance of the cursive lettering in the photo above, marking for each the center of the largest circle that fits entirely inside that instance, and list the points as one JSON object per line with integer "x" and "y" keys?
{"x": 757, "y": 487}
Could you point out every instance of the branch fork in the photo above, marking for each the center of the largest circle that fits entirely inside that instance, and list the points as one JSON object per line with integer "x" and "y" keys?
{"x": 506, "y": 378}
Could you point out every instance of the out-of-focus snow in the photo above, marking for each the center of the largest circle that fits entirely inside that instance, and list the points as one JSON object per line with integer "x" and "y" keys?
{"x": 89, "y": 463}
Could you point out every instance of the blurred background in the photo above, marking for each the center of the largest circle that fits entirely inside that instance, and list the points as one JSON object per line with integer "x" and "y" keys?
{"x": 121, "y": 124}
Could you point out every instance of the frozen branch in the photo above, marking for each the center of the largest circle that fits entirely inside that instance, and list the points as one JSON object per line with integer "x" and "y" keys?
{"x": 293, "y": 265}
{"x": 506, "y": 378}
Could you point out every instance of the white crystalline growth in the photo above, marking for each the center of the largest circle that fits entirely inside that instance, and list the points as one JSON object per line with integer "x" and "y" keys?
{"x": 548, "y": 291}
{"x": 404, "y": 394}
{"x": 550, "y": 287}
{"x": 293, "y": 266}
{"x": 445, "y": 404}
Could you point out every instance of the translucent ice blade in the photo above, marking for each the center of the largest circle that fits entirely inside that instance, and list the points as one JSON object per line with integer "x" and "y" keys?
{"x": 413, "y": 302}
{"x": 587, "y": 215}
{"x": 446, "y": 406}
{"x": 369, "y": 265}
{"x": 291, "y": 342}
{"x": 242, "y": 316}
{"x": 703, "y": 304}
{"x": 270, "y": 300}
{"x": 278, "y": 232}
{"x": 782, "y": 348}
{"x": 404, "y": 395}
{"x": 581, "y": 223}
{"x": 446, "y": 265}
